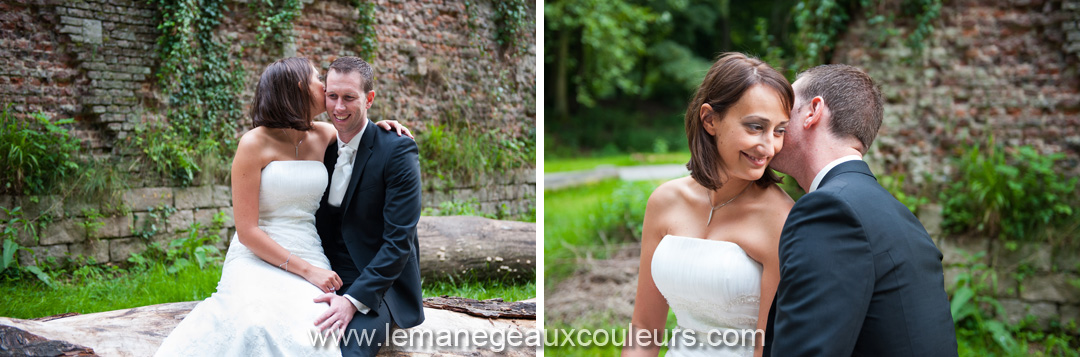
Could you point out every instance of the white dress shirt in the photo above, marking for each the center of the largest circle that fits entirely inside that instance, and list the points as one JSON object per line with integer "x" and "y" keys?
{"x": 354, "y": 144}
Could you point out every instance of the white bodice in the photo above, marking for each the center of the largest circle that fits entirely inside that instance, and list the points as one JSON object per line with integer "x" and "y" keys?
{"x": 710, "y": 285}
{"x": 289, "y": 195}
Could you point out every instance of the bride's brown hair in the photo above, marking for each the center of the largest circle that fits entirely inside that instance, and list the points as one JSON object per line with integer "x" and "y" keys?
{"x": 729, "y": 78}
{"x": 279, "y": 102}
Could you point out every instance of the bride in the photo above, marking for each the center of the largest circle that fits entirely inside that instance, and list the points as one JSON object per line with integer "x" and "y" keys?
{"x": 718, "y": 278}
{"x": 275, "y": 265}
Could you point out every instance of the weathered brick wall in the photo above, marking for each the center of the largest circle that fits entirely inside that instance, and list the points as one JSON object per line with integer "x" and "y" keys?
{"x": 1010, "y": 69}
{"x": 93, "y": 60}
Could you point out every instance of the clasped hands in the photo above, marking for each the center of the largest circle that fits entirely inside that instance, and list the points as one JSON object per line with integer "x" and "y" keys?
{"x": 341, "y": 310}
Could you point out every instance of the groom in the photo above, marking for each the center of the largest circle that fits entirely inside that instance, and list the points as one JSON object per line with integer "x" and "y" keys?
{"x": 859, "y": 275}
{"x": 367, "y": 219}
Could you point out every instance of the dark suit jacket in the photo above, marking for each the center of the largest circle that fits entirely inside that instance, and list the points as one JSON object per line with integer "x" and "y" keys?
{"x": 371, "y": 239}
{"x": 859, "y": 276}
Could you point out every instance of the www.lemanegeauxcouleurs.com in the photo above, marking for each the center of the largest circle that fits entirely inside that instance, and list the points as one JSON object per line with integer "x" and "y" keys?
{"x": 498, "y": 340}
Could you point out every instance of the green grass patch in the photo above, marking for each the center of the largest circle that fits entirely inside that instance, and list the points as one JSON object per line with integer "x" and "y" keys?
{"x": 591, "y": 220}
{"x": 576, "y": 164}
{"x": 119, "y": 289}
{"x": 105, "y": 291}
{"x": 481, "y": 290}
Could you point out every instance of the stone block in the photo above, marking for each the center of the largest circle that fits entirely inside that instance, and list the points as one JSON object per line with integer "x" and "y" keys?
{"x": 77, "y": 206}
{"x": 115, "y": 226}
{"x": 5, "y": 203}
{"x": 62, "y": 232}
{"x": 222, "y": 196}
{"x": 121, "y": 249}
{"x": 1069, "y": 314}
{"x": 956, "y": 250}
{"x": 222, "y": 243}
{"x": 229, "y": 222}
{"x": 51, "y": 205}
{"x": 142, "y": 199}
{"x": 1018, "y": 310}
{"x": 204, "y": 217}
{"x": 194, "y": 197}
{"x": 42, "y": 254}
{"x": 180, "y": 221}
{"x": 1053, "y": 287}
{"x": 1036, "y": 255}
{"x": 930, "y": 216}
{"x": 1067, "y": 258}
{"x": 96, "y": 249}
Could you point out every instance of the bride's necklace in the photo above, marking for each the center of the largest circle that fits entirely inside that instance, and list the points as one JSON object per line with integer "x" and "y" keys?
{"x": 714, "y": 208}
{"x": 296, "y": 147}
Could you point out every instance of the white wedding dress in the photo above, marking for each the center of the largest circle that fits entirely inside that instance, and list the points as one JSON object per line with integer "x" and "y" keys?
{"x": 714, "y": 288}
{"x": 259, "y": 309}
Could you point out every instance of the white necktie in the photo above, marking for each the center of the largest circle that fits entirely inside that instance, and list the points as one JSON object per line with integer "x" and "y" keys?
{"x": 342, "y": 173}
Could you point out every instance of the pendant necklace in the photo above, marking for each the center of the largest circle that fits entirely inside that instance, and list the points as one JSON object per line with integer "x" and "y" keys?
{"x": 714, "y": 208}
{"x": 296, "y": 147}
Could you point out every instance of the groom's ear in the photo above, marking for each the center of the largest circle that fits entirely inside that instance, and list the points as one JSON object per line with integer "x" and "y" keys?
{"x": 370, "y": 97}
{"x": 818, "y": 110}
{"x": 706, "y": 115}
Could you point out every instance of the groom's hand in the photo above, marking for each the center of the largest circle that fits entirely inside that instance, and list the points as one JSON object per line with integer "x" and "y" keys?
{"x": 338, "y": 315}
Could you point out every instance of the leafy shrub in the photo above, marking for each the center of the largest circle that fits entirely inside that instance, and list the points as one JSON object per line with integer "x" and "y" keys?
{"x": 1007, "y": 193}
{"x": 453, "y": 152}
{"x": 621, "y": 217}
{"x": 37, "y": 154}
{"x": 164, "y": 153}
{"x": 895, "y": 185}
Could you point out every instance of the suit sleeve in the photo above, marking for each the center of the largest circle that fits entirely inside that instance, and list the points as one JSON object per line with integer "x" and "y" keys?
{"x": 826, "y": 279}
{"x": 401, "y": 212}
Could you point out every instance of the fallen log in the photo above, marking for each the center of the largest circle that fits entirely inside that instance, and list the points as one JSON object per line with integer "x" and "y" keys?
{"x": 485, "y": 249}
{"x": 139, "y": 331}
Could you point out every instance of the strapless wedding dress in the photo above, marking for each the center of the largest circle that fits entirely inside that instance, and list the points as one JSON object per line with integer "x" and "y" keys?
{"x": 714, "y": 288}
{"x": 259, "y": 309}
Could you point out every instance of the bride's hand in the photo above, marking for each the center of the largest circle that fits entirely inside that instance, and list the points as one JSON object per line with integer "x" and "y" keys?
{"x": 326, "y": 280}
{"x": 394, "y": 125}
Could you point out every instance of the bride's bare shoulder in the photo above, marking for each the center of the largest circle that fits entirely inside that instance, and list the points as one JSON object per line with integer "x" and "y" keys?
{"x": 672, "y": 193}
{"x": 326, "y": 131}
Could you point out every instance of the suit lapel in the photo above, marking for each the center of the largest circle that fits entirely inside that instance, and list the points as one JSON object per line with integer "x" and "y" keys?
{"x": 856, "y": 166}
{"x": 363, "y": 153}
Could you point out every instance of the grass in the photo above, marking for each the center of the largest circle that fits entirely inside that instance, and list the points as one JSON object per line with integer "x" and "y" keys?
{"x": 29, "y": 298}
{"x": 481, "y": 290}
{"x": 567, "y": 228}
{"x": 575, "y": 164}
{"x": 96, "y": 292}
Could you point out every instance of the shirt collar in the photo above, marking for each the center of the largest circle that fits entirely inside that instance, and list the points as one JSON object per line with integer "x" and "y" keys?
{"x": 355, "y": 142}
{"x": 821, "y": 174}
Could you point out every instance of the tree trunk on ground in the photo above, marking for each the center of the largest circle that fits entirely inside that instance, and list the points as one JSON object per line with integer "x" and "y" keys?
{"x": 139, "y": 331}
{"x": 463, "y": 246}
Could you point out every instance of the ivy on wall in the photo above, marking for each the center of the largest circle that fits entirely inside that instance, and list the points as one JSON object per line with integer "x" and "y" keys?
{"x": 202, "y": 79}
{"x": 366, "y": 38}
{"x": 820, "y": 22}
{"x": 511, "y": 24}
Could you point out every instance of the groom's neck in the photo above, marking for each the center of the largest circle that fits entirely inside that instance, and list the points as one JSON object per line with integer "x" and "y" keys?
{"x": 820, "y": 158}
{"x": 347, "y": 137}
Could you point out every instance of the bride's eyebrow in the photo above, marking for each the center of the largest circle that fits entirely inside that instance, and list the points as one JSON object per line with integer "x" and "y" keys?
{"x": 760, "y": 119}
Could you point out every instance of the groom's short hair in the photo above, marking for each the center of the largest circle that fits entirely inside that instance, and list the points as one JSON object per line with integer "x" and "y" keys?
{"x": 348, "y": 64}
{"x": 852, "y": 97}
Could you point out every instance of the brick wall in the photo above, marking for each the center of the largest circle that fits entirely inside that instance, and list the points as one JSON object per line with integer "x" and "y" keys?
{"x": 1010, "y": 69}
